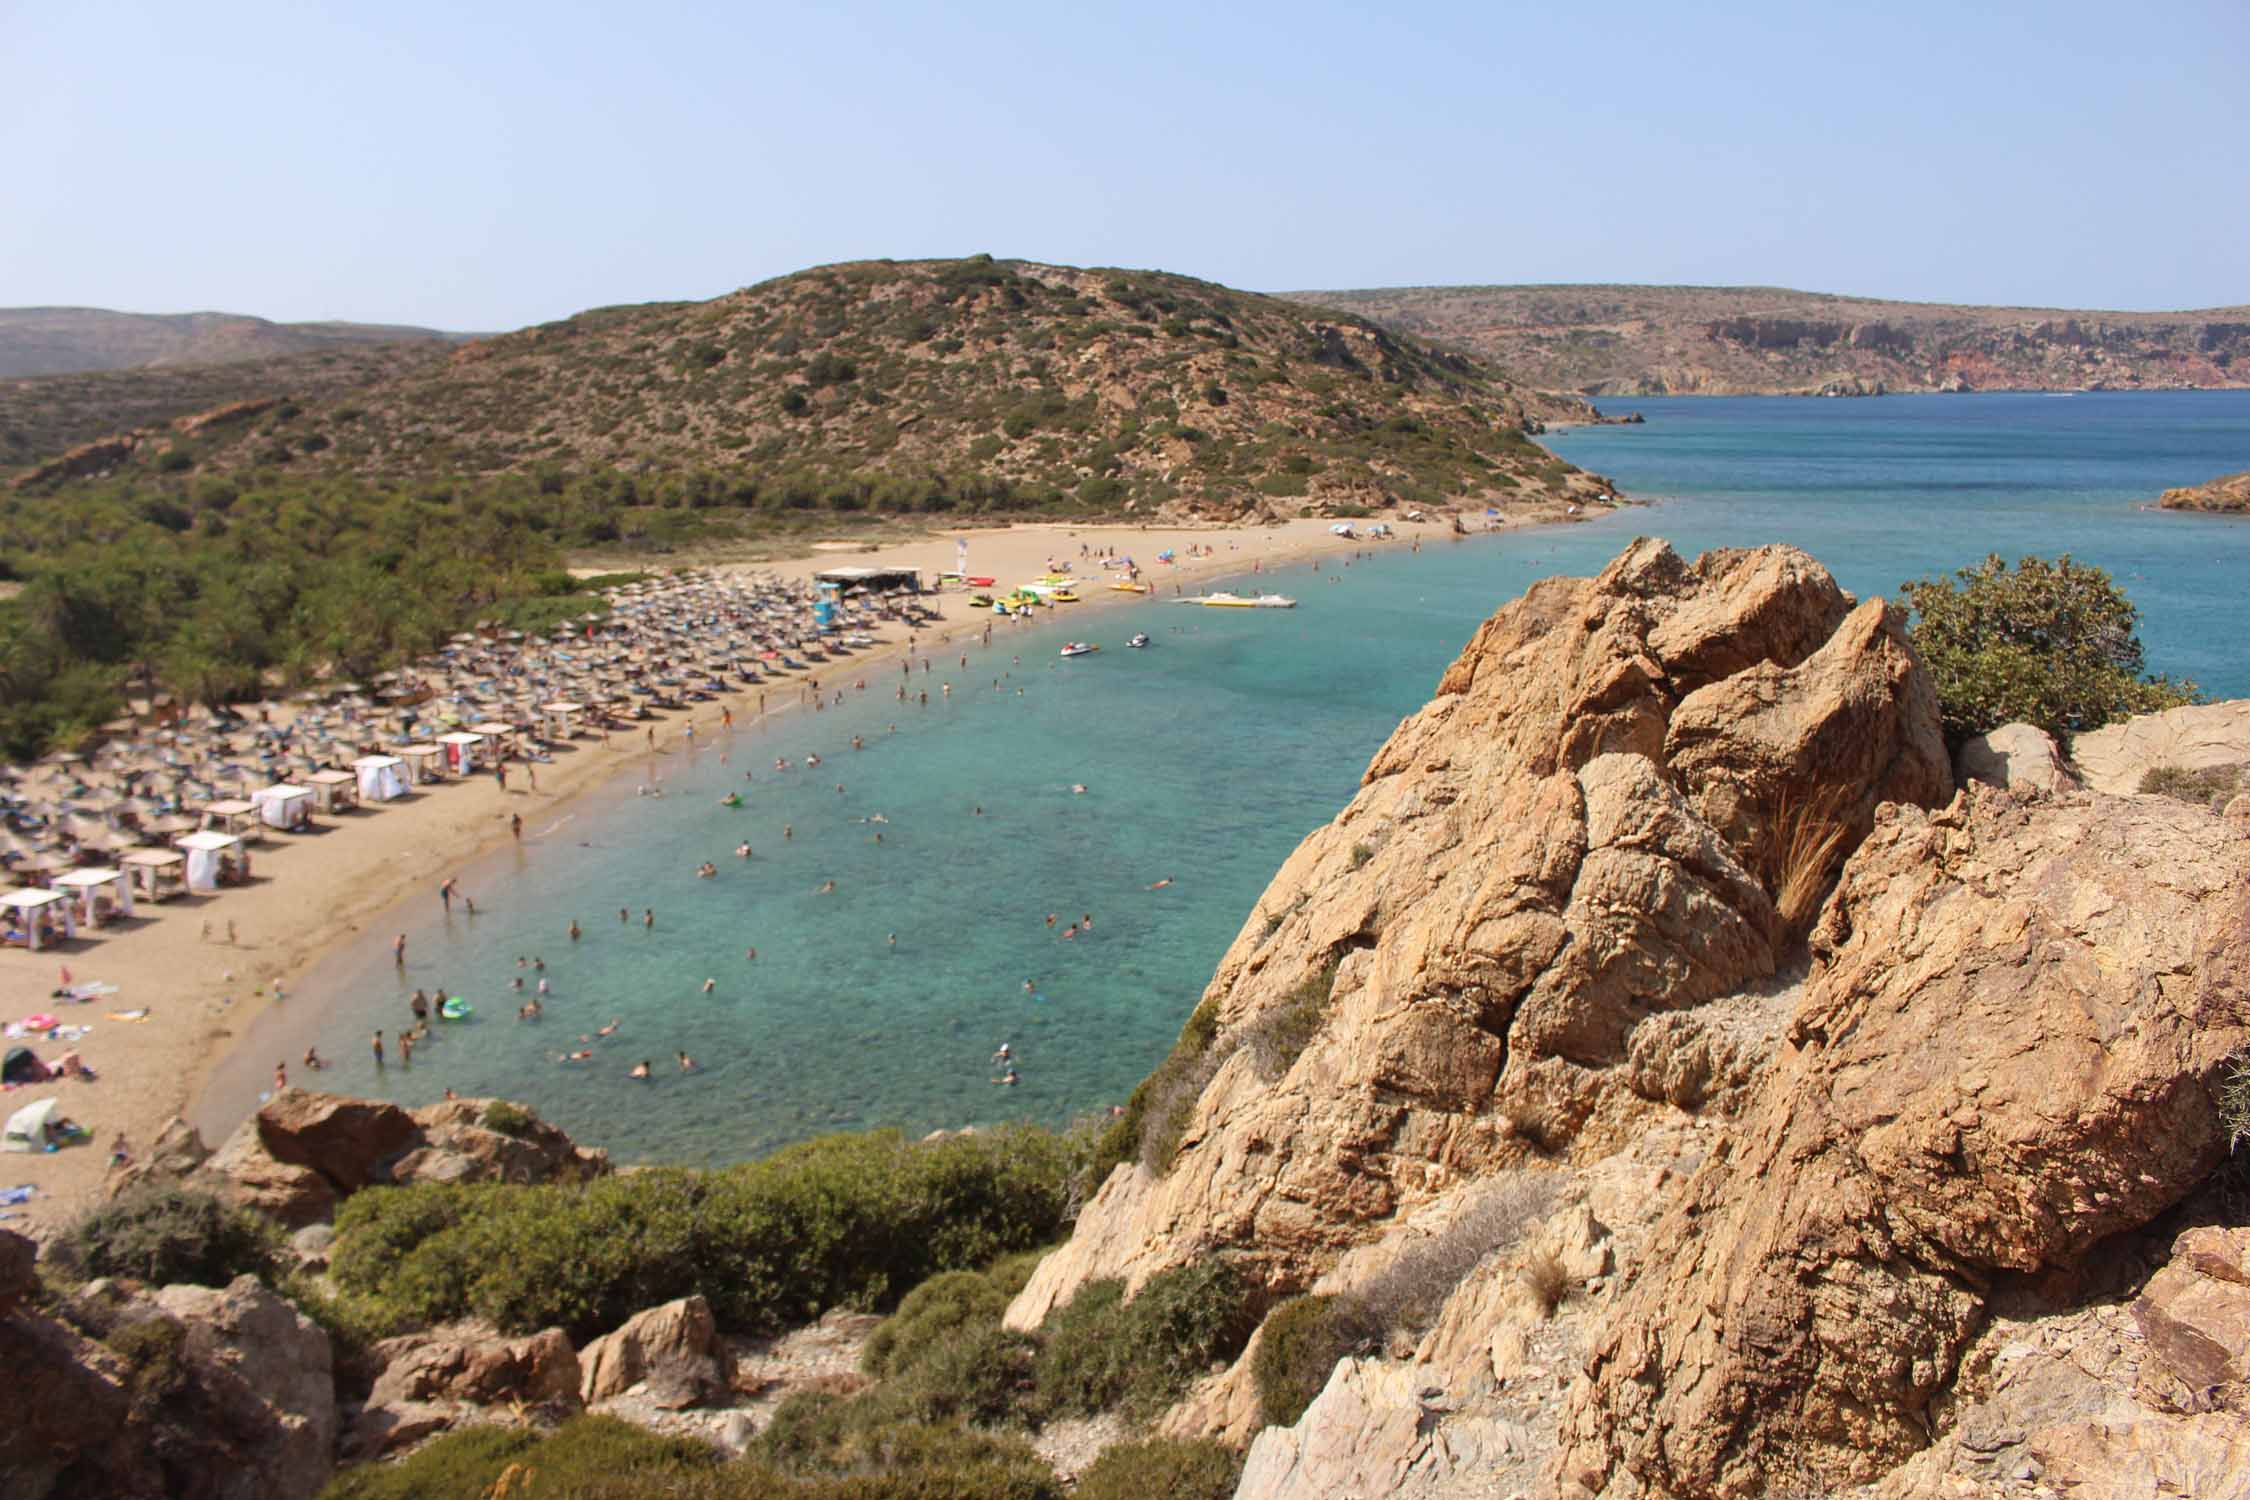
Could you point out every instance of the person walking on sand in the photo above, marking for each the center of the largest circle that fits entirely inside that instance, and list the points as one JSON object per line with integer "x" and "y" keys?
{"x": 515, "y": 826}
{"x": 445, "y": 893}
{"x": 398, "y": 951}
{"x": 280, "y": 1078}
{"x": 378, "y": 1049}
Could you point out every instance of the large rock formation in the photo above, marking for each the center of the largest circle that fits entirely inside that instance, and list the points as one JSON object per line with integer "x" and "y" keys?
{"x": 2229, "y": 494}
{"x": 1621, "y": 807}
{"x": 190, "y": 1393}
{"x": 304, "y": 1152}
{"x": 2004, "y": 1055}
{"x": 2198, "y": 737}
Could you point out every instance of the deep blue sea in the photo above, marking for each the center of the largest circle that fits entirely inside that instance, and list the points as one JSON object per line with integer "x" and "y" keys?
{"x": 1205, "y": 759}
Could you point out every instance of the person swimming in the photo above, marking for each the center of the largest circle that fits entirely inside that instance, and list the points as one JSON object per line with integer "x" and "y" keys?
{"x": 607, "y": 1030}
{"x": 640, "y": 1069}
{"x": 731, "y": 799}
{"x": 1004, "y": 1054}
{"x": 687, "y": 1063}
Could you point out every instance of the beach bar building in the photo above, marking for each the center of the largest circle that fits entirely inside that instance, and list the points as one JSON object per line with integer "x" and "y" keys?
{"x": 97, "y": 894}
{"x": 332, "y": 791}
{"x": 34, "y": 917}
{"x": 561, "y": 719}
{"x": 284, "y": 805}
{"x": 155, "y": 874}
{"x": 423, "y": 763}
{"x": 464, "y": 750}
{"x": 382, "y": 778}
{"x": 235, "y": 815}
{"x": 214, "y": 859}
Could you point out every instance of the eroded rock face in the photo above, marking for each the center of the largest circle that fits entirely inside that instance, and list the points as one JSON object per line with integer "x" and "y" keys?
{"x": 2001, "y": 1057}
{"x": 1545, "y": 876}
{"x": 2199, "y": 737}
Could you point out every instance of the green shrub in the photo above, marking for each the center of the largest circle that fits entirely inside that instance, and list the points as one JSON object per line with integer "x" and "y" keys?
{"x": 163, "y": 1234}
{"x": 1128, "y": 1135}
{"x": 1162, "y": 1469}
{"x": 1298, "y": 1351}
{"x": 586, "y": 1454}
{"x": 849, "y": 1220}
{"x": 508, "y": 1119}
{"x": 947, "y": 1306}
{"x": 826, "y": 1440}
{"x": 2211, "y": 786}
{"x": 152, "y": 1350}
{"x": 1278, "y": 1036}
{"x": 2050, "y": 643}
{"x": 1104, "y": 1351}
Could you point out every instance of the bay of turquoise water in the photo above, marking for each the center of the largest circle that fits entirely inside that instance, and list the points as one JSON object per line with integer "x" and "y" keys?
{"x": 1205, "y": 759}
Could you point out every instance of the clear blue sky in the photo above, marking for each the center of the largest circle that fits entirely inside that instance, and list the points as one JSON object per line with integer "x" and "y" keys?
{"x": 485, "y": 165}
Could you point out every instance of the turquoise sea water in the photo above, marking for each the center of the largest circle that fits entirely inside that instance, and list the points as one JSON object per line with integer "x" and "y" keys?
{"x": 1205, "y": 758}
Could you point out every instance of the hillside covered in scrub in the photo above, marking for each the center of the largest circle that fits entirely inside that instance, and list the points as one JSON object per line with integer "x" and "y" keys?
{"x": 1768, "y": 341}
{"x": 975, "y": 384}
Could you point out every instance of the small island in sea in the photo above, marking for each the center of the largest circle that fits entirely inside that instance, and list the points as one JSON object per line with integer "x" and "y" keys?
{"x": 2229, "y": 494}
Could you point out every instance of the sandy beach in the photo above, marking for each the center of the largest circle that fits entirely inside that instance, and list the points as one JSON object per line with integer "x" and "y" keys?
{"x": 205, "y": 968}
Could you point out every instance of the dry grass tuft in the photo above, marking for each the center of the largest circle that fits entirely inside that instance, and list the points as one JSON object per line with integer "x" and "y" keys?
{"x": 1810, "y": 837}
{"x": 1544, "y": 1276}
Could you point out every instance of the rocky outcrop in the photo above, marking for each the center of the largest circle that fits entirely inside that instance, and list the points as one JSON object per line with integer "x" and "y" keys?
{"x": 2002, "y": 1057}
{"x": 2229, "y": 494}
{"x": 222, "y": 416}
{"x": 434, "y": 1380}
{"x": 86, "y": 459}
{"x": 2199, "y": 737}
{"x": 189, "y": 1393}
{"x": 1626, "y": 797}
{"x": 304, "y": 1152}
{"x": 2194, "y": 1318}
{"x": 672, "y": 1353}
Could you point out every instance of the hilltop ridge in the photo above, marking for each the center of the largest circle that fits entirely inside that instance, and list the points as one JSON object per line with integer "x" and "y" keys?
{"x": 1613, "y": 340}
{"x": 77, "y": 340}
{"x": 968, "y": 384}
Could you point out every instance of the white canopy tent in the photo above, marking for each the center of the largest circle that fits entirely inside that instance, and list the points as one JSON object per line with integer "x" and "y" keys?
{"x": 235, "y": 815}
{"x": 284, "y": 805}
{"x": 27, "y": 1127}
{"x": 214, "y": 859}
{"x": 28, "y": 917}
{"x": 382, "y": 778}
{"x": 95, "y": 890}
{"x": 463, "y": 751}
{"x": 333, "y": 790}
{"x": 155, "y": 874}
{"x": 561, "y": 719}
{"x": 422, "y": 762}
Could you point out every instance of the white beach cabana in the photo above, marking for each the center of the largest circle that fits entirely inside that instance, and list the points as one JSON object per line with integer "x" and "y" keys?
{"x": 333, "y": 790}
{"x": 382, "y": 778}
{"x": 464, "y": 750}
{"x": 214, "y": 859}
{"x": 561, "y": 719}
{"x": 284, "y": 805}
{"x": 423, "y": 762}
{"x": 29, "y": 918}
{"x": 503, "y": 737}
{"x": 97, "y": 891}
{"x": 155, "y": 874}
{"x": 235, "y": 815}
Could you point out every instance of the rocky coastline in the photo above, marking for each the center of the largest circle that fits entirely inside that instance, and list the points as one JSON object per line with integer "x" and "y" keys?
{"x": 1720, "y": 1086}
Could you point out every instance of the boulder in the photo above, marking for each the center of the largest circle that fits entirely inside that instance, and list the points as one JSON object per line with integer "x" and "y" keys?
{"x": 68, "y": 1406}
{"x": 175, "y": 1153}
{"x": 673, "y": 1352}
{"x": 453, "y": 1144}
{"x": 1578, "y": 843}
{"x": 1373, "y": 1430}
{"x": 2195, "y": 1318}
{"x": 347, "y": 1141}
{"x": 2002, "y": 1057}
{"x": 2199, "y": 737}
{"x": 469, "y": 1364}
{"x": 2014, "y": 755}
{"x": 244, "y": 1172}
{"x": 263, "y": 1365}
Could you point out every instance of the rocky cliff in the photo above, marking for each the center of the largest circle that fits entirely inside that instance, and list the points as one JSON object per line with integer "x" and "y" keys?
{"x": 2229, "y": 494}
{"x": 1867, "y": 1110}
{"x": 1749, "y": 341}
